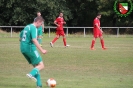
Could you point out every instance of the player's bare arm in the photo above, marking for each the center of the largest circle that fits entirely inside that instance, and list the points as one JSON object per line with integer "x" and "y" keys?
{"x": 38, "y": 46}
{"x": 99, "y": 28}
{"x": 64, "y": 22}
{"x": 56, "y": 24}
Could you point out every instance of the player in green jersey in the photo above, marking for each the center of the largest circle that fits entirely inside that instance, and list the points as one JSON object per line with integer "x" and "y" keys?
{"x": 39, "y": 33}
{"x": 28, "y": 47}
{"x": 40, "y": 30}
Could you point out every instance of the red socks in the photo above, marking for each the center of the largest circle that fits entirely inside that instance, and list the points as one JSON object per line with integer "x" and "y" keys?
{"x": 64, "y": 40}
{"x": 102, "y": 43}
{"x": 54, "y": 40}
{"x": 92, "y": 44}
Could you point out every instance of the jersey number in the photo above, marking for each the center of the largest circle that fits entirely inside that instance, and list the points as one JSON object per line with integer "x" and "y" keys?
{"x": 24, "y": 36}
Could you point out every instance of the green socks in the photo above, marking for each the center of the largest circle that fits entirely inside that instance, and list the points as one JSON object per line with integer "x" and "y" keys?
{"x": 34, "y": 71}
{"x": 38, "y": 77}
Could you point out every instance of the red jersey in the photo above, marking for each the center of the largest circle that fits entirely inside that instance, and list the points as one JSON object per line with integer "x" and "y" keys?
{"x": 60, "y": 21}
{"x": 96, "y": 30}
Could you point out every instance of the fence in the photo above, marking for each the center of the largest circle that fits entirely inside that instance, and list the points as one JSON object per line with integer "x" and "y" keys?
{"x": 67, "y": 29}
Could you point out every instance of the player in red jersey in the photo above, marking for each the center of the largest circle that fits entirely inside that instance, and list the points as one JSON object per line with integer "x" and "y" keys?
{"x": 59, "y": 22}
{"x": 97, "y": 32}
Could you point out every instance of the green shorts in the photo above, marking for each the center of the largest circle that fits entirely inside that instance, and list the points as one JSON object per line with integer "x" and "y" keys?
{"x": 32, "y": 57}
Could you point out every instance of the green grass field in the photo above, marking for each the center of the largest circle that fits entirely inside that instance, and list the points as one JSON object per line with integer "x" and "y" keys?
{"x": 73, "y": 67}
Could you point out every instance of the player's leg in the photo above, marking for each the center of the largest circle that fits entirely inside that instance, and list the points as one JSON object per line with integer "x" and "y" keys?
{"x": 36, "y": 61}
{"x": 64, "y": 38}
{"x": 40, "y": 66}
{"x": 28, "y": 59}
{"x": 35, "y": 74}
{"x": 38, "y": 83}
{"x": 93, "y": 43}
{"x": 95, "y": 35}
{"x": 37, "y": 68}
{"x": 55, "y": 39}
{"x": 102, "y": 43}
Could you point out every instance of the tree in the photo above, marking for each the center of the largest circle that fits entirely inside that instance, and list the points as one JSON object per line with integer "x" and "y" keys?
{"x": 16, "y": 12}
{"x": 76, "y": 13}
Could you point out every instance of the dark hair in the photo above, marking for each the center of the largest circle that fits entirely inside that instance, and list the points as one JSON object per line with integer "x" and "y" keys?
{"x": 58, "y": 15}
{"x": 98, "y": 14}
{"x": 38, "y": 12}
{"x": 38, "y": 18}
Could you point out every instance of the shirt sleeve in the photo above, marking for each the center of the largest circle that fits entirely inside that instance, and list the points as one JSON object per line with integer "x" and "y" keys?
{"x": 95, "y": 22}
{"x": 56, "y": 20}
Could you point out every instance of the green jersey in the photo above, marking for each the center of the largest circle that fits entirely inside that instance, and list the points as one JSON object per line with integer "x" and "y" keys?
{"x": 26, "y": 36}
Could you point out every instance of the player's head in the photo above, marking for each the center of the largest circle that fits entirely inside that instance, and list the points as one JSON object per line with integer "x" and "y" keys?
{"x": 38, "y": 13}
{"x": 99, "y": 15}
{"x": 38, "y": 21}
{"x": 61, "y": 14}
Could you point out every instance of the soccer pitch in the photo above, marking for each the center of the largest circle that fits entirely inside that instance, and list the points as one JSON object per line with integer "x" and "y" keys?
{"x": 73, "y": 67}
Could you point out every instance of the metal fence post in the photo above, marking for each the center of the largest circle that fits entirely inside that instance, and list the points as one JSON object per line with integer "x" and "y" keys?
{"x": 11, "y": 31}
{"x": 67, "y": 31}
{"x": 118, "y": 32}
{"x": 49, "y": 32}
{"x": 84, "y": 32}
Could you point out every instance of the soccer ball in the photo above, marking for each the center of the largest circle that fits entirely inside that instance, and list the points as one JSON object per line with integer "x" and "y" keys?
{"x": 51, "y": 82}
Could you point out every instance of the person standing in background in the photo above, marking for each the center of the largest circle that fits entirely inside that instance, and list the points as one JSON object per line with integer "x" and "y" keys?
{"x": 40, "y": 30}
{"x": 97, "y": 32}
{"x": 59, "y": 22}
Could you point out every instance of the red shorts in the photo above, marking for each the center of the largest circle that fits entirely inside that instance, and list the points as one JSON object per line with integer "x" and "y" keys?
{"x": 97, "y": 35}
{"x": 60, "y": 32}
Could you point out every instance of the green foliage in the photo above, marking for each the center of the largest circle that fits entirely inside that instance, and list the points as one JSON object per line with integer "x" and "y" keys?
{"x": 76, "y": 13}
